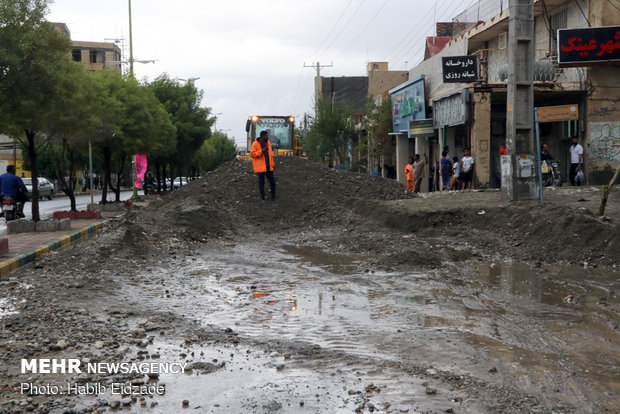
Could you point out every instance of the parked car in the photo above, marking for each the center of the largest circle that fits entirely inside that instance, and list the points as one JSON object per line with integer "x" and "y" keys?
{"x": 177, "y": 182}
{"x": 46, "y": 188}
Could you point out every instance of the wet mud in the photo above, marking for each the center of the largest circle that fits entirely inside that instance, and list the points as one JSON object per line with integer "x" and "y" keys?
{"x": 350, "y": 309}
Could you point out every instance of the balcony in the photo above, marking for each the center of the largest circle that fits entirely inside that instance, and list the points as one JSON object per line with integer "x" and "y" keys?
{"x": 494, "y": 68}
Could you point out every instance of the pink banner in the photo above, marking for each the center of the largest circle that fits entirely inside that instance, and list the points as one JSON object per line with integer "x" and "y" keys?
{"x": 141, "y": 165}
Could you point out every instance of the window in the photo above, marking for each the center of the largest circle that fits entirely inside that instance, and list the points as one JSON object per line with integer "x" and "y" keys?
{"x": 77, "y": 55}
{"x": 93, "y": 56}
{"x": 558, "y": 21}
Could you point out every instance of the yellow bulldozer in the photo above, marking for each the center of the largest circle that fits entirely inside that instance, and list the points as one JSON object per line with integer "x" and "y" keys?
{"x": 281, "y": 130}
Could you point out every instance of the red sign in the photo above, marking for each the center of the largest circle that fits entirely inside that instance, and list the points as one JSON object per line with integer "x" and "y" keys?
{"x": 581, "y": 47}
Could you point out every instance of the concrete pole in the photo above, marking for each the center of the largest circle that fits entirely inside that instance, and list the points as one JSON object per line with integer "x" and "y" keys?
{"x": 317, "y": 82}
{"x": 402, "y": 157}
{"x": 520, "y": 167}
{"x": 130, "y": 44}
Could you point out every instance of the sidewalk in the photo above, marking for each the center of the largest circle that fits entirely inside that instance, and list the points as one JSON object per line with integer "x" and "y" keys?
{"x": 24, "y": 248}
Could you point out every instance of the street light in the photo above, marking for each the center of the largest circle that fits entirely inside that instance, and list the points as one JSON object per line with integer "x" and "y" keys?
{"x": 215, "y": 122}
{"x": 187, "y": 80}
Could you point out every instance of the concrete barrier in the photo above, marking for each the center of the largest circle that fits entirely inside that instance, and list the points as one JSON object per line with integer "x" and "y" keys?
{"x": 19, "y": 226}
{"x": 46, "y": 225}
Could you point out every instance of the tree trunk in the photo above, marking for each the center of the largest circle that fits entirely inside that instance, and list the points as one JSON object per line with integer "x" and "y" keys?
{"x": 165, "y": 183}
{"x": 107, "y": 174}
{"x": 71, "y": 156}
{"x": 158, "y": 176}
{"x": 32, "y": 155}
{"x": 606, "y": 191}
{"x": 119, "y": 177}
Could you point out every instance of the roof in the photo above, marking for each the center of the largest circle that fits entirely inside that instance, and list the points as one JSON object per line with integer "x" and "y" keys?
{"x": 435, "y": 44}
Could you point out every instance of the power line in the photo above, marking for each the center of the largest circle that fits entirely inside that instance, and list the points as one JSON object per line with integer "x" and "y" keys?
{"x": 422, "y": 46}
{"x": 583, "y": 14}
{"x": 343, "y": 27}
{"x": 332, "y": 29}
{"x": 421, "y": 29}
{"x": 364, "y": 29}
{"x": 610, "y": 2}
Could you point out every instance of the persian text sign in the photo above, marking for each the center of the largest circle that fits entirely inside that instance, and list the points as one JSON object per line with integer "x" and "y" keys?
{"x": 460, "y": 68}
{"x": 579, "y": 47}
{"x": 558, "y": 113}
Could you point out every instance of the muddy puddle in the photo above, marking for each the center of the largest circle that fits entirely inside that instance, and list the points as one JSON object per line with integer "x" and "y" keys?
{"x": 510, "y": 324}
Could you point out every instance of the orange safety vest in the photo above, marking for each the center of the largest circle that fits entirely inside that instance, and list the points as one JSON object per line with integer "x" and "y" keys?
{"x": 258, "y": 158}
{"x": 409, "y": 172}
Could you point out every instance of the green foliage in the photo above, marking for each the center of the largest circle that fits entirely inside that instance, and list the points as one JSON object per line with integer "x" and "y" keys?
{"x": 191, "y": 121}
{"x": 378, "y": 123}
{"x": 331, "y": 132}
{"x": 32, "y": 57}
{"x": 215, "y": 151}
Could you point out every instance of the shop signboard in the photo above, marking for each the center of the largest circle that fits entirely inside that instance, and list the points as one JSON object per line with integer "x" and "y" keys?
{"x": 450, "y": 110}
{"x": 558, "y": 113}
{"x": 407, "y": 104}
{"x": 460, "y": 69}
{"x": 588, "y": 45}
{"x": 421, "y": 128}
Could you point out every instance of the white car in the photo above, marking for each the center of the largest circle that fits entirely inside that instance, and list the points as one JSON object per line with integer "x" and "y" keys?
{"x": 46, "y": 189}
{"x": 177, "y": 182}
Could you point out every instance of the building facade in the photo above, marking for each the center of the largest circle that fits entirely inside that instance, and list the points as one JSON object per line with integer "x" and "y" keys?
{"x": 472, "y": 114}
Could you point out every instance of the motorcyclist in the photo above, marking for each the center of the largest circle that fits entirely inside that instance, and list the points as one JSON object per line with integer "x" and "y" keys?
{"x": 13, "y": 186}
{"x": 150, "y": 185}
{"x": 544, "y": 153}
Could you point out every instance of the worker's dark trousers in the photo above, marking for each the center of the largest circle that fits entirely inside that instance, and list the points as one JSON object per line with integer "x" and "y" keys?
{"x": 261, "y": 184}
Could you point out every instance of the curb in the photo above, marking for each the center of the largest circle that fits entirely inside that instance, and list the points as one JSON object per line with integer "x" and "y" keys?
{"x": 63, "y": 243}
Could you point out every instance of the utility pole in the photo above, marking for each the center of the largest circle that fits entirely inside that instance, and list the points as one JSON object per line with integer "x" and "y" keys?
{"x": 520, "y": 167}
{"x": 317, "y": 81}
{"x": 130, "y": 44}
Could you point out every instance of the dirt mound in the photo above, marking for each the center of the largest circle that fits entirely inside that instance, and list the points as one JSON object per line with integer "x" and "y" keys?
{"x": 226, "y": 200}
{"x": 527, "y": 231}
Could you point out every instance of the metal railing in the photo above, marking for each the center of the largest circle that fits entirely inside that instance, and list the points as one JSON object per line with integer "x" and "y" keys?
{"x": 482, "y": 10}
{"x": 494, "y": 67}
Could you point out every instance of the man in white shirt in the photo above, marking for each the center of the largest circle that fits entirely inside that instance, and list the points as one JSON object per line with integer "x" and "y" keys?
{"x": 467, "y": 173}
{"x": 576, "y": 160}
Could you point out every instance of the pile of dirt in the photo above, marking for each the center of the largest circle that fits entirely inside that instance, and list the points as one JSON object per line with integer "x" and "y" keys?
{"x": 365, "y": 209}
{"x": 226, "y": 201}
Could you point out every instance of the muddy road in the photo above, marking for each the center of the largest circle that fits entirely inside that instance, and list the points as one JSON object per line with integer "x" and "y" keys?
{"x": 343, "y": 296}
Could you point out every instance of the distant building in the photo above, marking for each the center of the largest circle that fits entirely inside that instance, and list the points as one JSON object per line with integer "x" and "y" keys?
{"x": 93, "y": 55}
{"x": 97, "y": 55}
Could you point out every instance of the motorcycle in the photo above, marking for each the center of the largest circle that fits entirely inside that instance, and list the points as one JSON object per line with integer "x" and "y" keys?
{"x": 10, "y": 208}
{"x": 551, "y": 173}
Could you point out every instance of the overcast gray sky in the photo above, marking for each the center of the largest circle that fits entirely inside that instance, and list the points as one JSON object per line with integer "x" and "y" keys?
{"x": 250, "y": 54}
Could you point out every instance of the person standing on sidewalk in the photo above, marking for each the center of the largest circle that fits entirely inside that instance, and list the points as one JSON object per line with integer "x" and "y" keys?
{"x": 263, "y": 164}
{"x": 467, "y": 174}
{"x": 409, "y": 174}
{"x": 13, "y": 186}
{"x": 576, "y": 161}
{"x": 446, "y": 170}
{"x": 455, "y": 183}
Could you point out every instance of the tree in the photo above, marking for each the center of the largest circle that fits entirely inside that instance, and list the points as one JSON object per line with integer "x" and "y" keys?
{"x": 191, "y": 121}
{"x": 330, "y": 134}
{"x": 130, "y": 119}
{"x": 378, "y": 123}
{"x": 32, "y": 56}
{"x": 215, "y": 151}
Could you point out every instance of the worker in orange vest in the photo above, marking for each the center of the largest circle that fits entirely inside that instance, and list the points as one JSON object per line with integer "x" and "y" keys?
{"x": 409, "y": 173}
{"x": 262, "y": 162}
